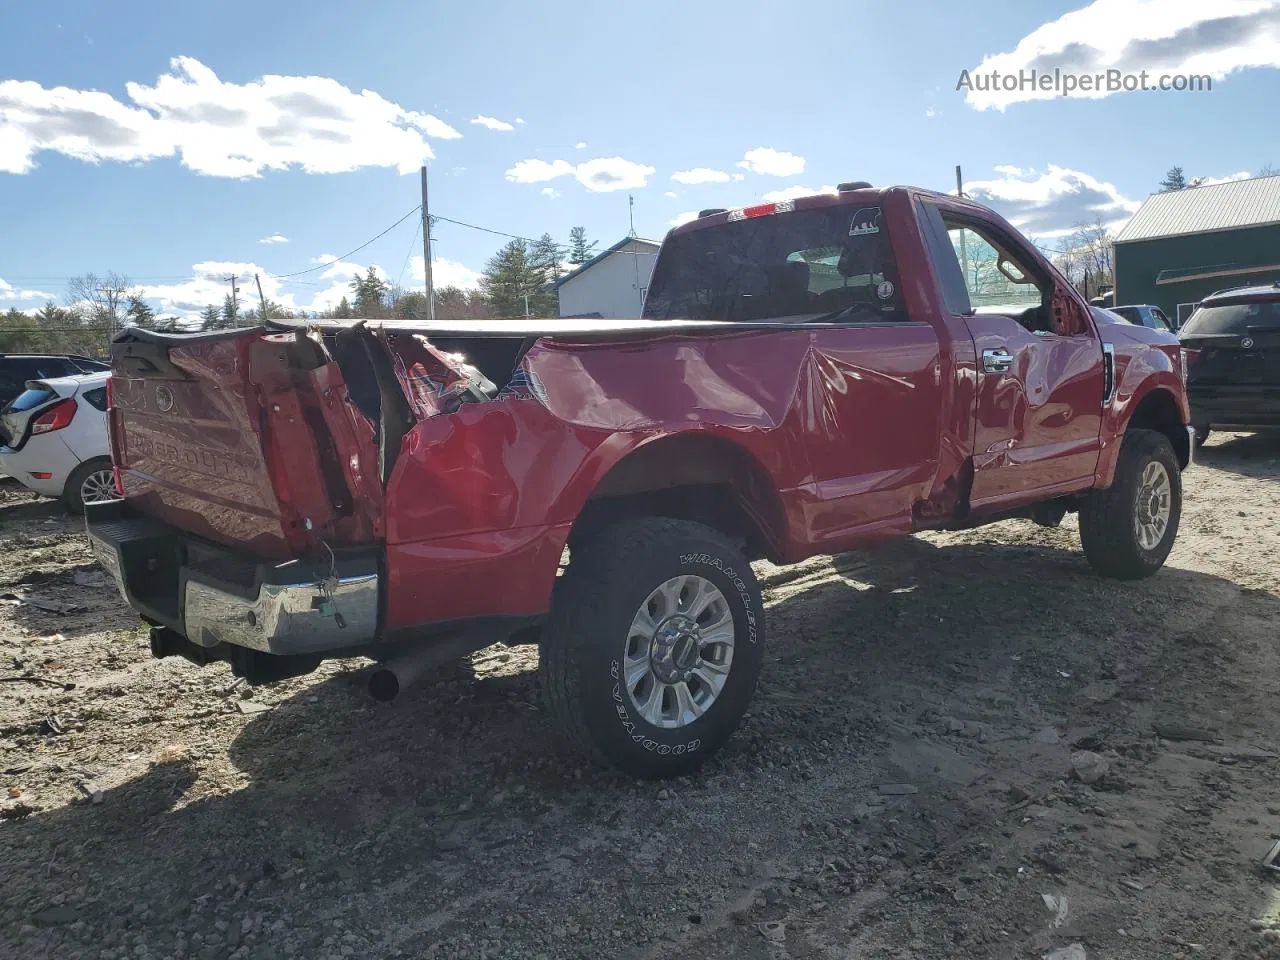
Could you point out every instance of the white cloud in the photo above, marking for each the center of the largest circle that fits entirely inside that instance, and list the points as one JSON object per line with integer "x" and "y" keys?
{"x": 772, "y": 163}
{"x": 217, "y": 128}
{"x": 671, "y": 194}
{"x": 446, "y": 273}
{"x": 208, "y": 285}
{"x": 9, "y": 292}
{"x": 930, "y": 112}
{"x": 538, "y": 171}
{"x": 520, "y": 120}
{"x": 700, "y": 175}
{"x": 1007, "y": 170}
{"x": 275, "y": 238}
{"x": 1163, "y": 37}
{"x": 606, "y": 174}
{"x": 1229, "y": 178}
{"x": 580, "y": 145}
{"x": 792, "y": 193}
{"x": 739, "y": 176}
{"x": 551, "y": 192}
{"x": 600, "y": 175}
{"x": 1053, "y": 202}
{"x": 682, "y": 218}
{"x": 493, "y": 123}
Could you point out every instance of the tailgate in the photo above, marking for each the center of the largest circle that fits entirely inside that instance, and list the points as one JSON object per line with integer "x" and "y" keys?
{"x": 245, "y": 437}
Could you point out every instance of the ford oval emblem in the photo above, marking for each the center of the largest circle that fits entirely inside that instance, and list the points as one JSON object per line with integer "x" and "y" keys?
{"x": 1246, "y": 342}
{"x": 164, "y": 399}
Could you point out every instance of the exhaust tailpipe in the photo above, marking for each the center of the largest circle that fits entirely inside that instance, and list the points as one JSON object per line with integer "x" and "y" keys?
{"x": 392, "y": 677}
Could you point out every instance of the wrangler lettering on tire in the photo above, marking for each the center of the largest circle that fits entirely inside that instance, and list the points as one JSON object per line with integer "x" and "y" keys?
{"x": 654, "y": 645}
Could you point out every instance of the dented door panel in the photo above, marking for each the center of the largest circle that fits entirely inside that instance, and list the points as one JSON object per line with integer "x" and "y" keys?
{"x": 1038, "y": 423}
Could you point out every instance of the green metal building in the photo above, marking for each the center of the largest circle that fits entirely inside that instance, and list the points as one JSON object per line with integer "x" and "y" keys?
{"x": 1183, "y": 245}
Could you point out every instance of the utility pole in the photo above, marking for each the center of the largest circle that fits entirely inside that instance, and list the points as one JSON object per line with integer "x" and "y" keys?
{"x": 261, "y": 298}
{"x": 235, "y": 304}
{"x": 631, "y": 201}
{"x": 964, "y": 253}
{"x": 426, "y": 249}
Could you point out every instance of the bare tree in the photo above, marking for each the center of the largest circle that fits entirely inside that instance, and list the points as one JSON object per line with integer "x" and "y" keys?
{"x": 1086, "y": 258}
{"x": 102, "y": 300}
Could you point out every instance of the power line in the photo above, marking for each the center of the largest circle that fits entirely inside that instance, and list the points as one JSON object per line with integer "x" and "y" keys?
{"x": 329, "y": 263}
{"x": 412, "y": 243}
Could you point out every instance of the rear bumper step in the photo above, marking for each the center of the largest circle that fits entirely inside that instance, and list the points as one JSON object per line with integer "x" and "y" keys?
{"x": 285, "y": 609}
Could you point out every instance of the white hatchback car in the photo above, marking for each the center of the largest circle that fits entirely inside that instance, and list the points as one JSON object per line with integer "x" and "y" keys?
{"x": 56, "y": 441}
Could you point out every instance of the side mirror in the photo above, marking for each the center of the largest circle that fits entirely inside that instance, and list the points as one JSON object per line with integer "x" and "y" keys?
{"x": 1069, "y": 317}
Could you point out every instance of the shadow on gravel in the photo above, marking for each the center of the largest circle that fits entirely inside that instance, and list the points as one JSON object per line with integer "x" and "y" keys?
{"x": 416, "y": 820}
{"x": 1254, "y": 455}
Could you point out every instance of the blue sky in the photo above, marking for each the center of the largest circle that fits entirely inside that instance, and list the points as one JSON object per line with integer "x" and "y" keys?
{"x": 174, "y": 170}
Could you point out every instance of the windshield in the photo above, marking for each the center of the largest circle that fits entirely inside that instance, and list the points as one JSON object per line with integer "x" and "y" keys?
{"x": 1128, "y": 313}
{"x": 802, "y": 263}
{"x": 1232, "y": 318}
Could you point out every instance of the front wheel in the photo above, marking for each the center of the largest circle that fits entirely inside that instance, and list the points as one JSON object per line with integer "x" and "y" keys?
{"x": 654, "y": 645}
{"x": 1128, "y": 530}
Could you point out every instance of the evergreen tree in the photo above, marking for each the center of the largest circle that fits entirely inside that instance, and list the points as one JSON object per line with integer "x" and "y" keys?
{"x": 516, "y": 281}
{"x": 547, "y": 257}
{"x": 230, "y": 312}
{"x": 579, "y": 250}
{"x": 210, "y": 317}
{"x": 343, "y": 310}
{"x": 1173, "y": 180}
{"x": 139, "y": 312}
{"x": 370, "y": 293}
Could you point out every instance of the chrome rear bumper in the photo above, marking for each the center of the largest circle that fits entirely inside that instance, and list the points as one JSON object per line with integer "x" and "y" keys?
{"x": 284, "y": 618}
{"x": 281, "y": 609}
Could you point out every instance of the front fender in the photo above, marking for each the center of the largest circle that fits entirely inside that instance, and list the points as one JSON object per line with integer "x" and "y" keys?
{"x": 1139, "y": 373}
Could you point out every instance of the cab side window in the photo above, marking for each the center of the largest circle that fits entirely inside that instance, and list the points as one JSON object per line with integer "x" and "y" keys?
{"x": 997, "y": 281}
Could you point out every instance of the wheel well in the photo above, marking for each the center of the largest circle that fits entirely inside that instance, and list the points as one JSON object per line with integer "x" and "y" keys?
{"x": 1159, "y": 411}
{"x": 700, "y": 478}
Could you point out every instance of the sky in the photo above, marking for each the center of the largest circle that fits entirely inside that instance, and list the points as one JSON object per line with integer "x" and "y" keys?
{"x": 181, "y": 144}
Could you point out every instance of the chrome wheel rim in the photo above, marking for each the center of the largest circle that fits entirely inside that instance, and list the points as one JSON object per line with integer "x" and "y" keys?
{"x": 679, "y": 652}
{"x": 98, "y": 487}
{"x": 1155, "y": 505}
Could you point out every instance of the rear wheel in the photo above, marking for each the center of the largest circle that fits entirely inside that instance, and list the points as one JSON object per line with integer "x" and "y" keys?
{"x": 91, "y": 482}
{"x": 1128, "y": 530}
{"x": 654, "y": 646}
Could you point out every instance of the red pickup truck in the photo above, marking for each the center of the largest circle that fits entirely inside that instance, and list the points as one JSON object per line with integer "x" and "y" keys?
{"x": 807, "y": 377}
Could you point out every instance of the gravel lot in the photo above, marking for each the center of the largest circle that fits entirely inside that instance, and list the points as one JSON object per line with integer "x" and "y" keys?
{"x": 903, "y": 787}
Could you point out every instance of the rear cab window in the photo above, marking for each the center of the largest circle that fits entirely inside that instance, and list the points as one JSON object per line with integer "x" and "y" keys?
{"x": 825, "y": 264}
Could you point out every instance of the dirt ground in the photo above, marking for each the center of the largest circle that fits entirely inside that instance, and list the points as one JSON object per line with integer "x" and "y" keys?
{"x": 903, "y": 786}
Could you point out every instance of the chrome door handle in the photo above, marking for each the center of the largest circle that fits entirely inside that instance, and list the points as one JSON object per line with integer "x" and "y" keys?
{"x": 998, "y": 360}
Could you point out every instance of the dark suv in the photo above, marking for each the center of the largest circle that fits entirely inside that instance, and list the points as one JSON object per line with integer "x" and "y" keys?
{"x": 17, "y": 368}
{"x": 1233, "y": 359}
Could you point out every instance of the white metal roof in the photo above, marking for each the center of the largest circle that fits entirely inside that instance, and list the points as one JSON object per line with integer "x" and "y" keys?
{"x": 1221, "y": 206}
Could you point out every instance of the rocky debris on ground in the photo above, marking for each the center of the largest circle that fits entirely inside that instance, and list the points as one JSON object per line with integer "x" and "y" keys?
{"x": 446, "y": 825}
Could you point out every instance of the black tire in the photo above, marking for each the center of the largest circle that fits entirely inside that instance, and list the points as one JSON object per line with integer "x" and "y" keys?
{"x": 1109, "y": 518}
{"x": 71, "y": 495}
{"x": 608, "y": 580}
